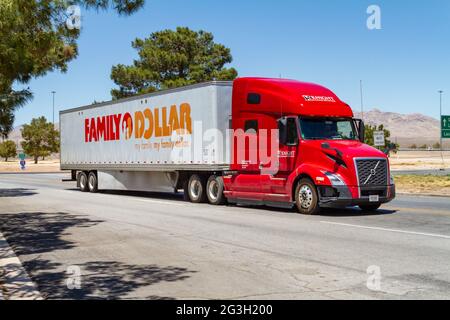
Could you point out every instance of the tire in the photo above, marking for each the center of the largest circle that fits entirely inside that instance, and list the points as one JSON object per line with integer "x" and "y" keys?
{"x": 306, "y": 198}
{"x": 369, "y": 207}
{"x": 93, "y": 182}
{"x": 214, "y": 190}
{"x": 196, "y": 189}
{"x": 83, "y": 182}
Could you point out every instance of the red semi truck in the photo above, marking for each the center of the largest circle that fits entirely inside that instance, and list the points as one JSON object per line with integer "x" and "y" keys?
{"x": 259, "y": 141}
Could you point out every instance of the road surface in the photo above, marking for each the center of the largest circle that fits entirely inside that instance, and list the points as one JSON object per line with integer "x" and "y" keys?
{"x": 154, "y": 246}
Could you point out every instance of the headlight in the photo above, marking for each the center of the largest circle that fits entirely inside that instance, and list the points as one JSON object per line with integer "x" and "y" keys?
{"x": 334, "y": 179}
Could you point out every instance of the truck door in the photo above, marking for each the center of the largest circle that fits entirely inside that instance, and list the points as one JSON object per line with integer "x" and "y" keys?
{"x": 287, "y": 155}
{"x": 247, "y": 183}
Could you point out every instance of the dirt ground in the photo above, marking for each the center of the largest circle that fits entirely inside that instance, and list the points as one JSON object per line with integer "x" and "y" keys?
{"x": 42, "y": 166}
{"x": 418, "y": 160}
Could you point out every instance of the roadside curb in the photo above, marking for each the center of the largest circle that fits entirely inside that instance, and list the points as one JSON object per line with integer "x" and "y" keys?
{"x": 15, "y": 284}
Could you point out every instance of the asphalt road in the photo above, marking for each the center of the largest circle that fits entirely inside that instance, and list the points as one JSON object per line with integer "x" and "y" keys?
{"x": 155, "y": 246}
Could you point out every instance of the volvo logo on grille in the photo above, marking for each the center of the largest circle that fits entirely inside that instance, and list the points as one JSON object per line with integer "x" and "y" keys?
{"x": 373, "y": 172}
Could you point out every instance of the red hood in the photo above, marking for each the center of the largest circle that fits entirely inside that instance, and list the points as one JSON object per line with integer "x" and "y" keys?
{"x": 352, "y": 149}
{"x": 349, "y": 148}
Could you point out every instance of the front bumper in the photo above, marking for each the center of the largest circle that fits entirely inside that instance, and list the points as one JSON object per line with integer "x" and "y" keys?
{"x": 343, "y": 196}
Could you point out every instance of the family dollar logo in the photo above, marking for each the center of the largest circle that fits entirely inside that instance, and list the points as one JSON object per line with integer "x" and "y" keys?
{"x": 143, "y": 124}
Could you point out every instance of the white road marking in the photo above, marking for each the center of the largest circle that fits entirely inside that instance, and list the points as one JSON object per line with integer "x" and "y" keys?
{"x": 388, "y": 230}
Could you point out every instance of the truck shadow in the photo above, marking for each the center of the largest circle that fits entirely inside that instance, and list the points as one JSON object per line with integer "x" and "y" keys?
{"x": 16, "y": 192}
{"x": 353, "y": 212}
{"x": 35, "y": 235}
{"x": 144, "y": 194}
{"x": 326, "y": 212}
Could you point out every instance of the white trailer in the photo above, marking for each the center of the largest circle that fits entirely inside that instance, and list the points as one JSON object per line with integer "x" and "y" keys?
{"x": 152, "y": 142}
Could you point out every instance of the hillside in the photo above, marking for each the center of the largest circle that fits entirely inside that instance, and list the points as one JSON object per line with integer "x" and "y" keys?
{"x": 406, "y": 129}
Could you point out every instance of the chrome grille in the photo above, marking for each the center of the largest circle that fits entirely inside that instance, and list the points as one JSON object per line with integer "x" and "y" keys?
{"x": 372, "y": 172}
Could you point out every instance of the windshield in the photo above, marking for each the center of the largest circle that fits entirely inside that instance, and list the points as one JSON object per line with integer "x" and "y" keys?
{"x": 327, "y": 129}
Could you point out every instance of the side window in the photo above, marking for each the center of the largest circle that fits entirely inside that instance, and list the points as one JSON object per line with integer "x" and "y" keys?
{"x": 291, "y": 132}
{"x": 251, "y": 126}
{"x": 345, "y": 130}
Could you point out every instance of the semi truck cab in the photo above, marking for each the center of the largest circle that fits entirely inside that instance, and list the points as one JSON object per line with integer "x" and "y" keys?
{"x": 321, "y": 159}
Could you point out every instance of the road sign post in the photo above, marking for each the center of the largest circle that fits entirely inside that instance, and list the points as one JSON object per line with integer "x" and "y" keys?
{"x": 378, "y": 139}
{"x": 445, "y": 127}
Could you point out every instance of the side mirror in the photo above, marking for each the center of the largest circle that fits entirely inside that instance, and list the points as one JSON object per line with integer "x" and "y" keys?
{"x": 361, "y": 129}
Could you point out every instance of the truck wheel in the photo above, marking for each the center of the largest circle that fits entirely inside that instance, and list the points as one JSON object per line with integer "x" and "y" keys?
{"x": 83, "y": 181}
{"x": 214, "y": 190}
{"x": 369, "y": 207}
{"x": 306, "y": 197}
{"x": 92, "y": 182}
{"x": 196, "y": 189}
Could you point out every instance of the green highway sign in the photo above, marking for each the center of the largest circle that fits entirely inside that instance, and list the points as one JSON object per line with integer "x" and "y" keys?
{"x": 445, "y": 125}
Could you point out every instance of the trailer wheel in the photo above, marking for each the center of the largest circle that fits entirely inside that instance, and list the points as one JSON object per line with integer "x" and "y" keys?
{"x": 370, "y": 207}
{"x": 306, "y": 197}
{"x": 196, "y": 189}
{"x": 214, "y": 190}
{"x": 92, "y": 182}
{"x": 83, "y": 182}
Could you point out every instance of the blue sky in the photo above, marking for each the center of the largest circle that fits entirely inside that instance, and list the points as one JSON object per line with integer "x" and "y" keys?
{"x": 402, "y": 66}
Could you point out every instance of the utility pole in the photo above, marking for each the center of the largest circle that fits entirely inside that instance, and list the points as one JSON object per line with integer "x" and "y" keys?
{"x": 362, "y": 100}
{"x": 53, "y": 112}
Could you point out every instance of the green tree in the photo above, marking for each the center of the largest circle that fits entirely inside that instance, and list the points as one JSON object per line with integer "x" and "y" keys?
{"x": 424, "y": 146}
{"x": 389, "y": 145}
{"x": 169, "y": 59}
{"x": 34, "y": 40}
{"x": 40, "y": 138}
{"x": 8, "y": 149}
{"x": 413, "y": 146}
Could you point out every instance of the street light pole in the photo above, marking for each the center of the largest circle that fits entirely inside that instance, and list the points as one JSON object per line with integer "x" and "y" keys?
{"x": 362, "y": 100}
{"x": 440, "y": 112}
{"x": 53, "y": 111}
{"x": 440, "y": 120}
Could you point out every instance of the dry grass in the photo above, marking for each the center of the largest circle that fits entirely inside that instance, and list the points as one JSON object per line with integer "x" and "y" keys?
{"x": 417, "y": 160}
{"x": 428, "y": 184}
